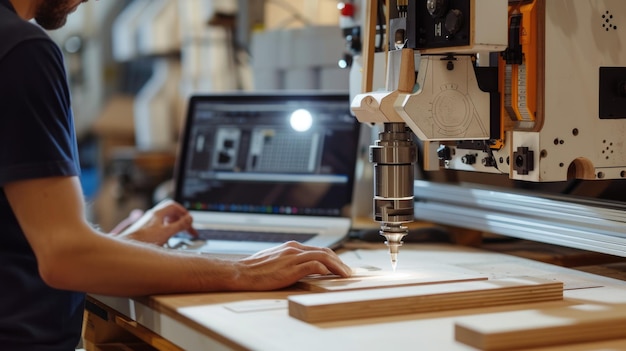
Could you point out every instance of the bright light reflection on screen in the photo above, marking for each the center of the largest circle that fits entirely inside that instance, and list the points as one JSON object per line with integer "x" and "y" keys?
{"x": 301, "y": 120}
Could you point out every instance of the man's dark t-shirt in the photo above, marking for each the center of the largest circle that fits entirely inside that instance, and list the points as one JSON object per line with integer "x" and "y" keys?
{"x": 37, "y": 140}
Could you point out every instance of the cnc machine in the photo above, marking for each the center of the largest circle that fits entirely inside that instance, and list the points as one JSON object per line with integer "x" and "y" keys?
{"x": 532, "y": 90}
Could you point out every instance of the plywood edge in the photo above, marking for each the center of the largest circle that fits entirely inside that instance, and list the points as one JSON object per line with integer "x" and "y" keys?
{"x": 385, "y": 279}
{"x": 332, "y": 306}
{"x": 539, "y": 328}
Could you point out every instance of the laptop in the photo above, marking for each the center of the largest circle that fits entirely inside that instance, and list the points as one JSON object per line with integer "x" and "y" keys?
{"x": 258, "y": 170}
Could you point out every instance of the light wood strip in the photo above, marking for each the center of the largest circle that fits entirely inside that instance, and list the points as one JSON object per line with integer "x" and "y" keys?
{"x": 369, "y": 45}
{"x": 386, "y": 279}
{"x": 324, "y": 307}
{"x": 539, "y": 328}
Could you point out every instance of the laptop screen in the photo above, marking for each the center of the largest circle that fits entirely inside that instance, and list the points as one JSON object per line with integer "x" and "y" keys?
{"x": 268, "y": 154}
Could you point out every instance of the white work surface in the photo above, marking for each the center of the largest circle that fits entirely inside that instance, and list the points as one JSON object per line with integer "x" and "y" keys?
{"x": 260, "y": 320}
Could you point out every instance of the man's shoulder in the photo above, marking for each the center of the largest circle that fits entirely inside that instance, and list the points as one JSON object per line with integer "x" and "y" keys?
{"x": 14, "y": 30}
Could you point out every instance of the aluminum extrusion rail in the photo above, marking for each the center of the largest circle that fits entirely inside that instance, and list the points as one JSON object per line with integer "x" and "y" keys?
{"x": 583, "y": 224}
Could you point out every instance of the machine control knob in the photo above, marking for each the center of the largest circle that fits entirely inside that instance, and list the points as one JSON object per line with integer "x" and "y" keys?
{"x": 454, "y": 22}
{"x": 437, "y": 8}
{"x": 444, "y": 153}
{"x": 469, "y": 159}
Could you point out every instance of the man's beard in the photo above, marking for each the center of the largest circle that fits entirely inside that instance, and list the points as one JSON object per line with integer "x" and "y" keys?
{"x": 52, "y": 14}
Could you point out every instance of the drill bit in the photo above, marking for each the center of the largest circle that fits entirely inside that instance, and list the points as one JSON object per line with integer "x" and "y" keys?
{"x": 394, "y": 235}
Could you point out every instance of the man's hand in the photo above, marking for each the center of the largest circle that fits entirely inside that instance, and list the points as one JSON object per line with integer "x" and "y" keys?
{"x": 284, "y": 265}
{"x": 158, "y": 224}
{"x": 71, "y": 255}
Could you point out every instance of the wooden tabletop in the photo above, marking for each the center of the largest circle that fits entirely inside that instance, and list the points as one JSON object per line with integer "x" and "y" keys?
{"x": 260, "y": 320}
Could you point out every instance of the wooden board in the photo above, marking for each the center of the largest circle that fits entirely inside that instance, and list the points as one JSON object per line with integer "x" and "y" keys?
{"x": 540, "y": 328}
{"x": 333, "y": 306}
{"x": 386, "y": 279}
{"x": 369, "y": 45}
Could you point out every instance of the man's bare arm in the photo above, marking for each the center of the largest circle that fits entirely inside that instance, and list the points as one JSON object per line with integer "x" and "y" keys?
{"x": 72, "y": 255}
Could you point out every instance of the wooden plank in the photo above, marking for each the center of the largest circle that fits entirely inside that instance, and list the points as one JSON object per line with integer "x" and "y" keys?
{"x": 369, "y": 45}
{"x": 333, "y": 306}
{"x": 540, "y": 328}
{"x": 386, "y": 279}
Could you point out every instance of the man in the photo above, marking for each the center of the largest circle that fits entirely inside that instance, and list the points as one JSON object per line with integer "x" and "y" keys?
{"x": 49, "y": 254}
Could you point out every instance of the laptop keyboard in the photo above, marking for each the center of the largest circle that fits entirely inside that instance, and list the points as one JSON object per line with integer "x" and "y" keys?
{"x": 239, "y": 235}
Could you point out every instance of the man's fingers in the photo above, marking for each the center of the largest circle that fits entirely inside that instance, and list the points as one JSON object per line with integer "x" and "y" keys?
{"x": 297, "y": 256}
{"x": 332, "y": 262}
{"x": 182, "y": 223}
{"x": 312, "y": 267}
{"x": 169, "y": 208}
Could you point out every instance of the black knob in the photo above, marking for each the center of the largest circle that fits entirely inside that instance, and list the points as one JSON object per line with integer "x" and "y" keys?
{"x": 444, "y": 153}
{"x": 469, "y": 159}
{"x": 454, "y": 21}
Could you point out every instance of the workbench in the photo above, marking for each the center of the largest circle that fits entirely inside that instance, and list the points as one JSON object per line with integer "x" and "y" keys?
{"x": 260, "y": 320}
